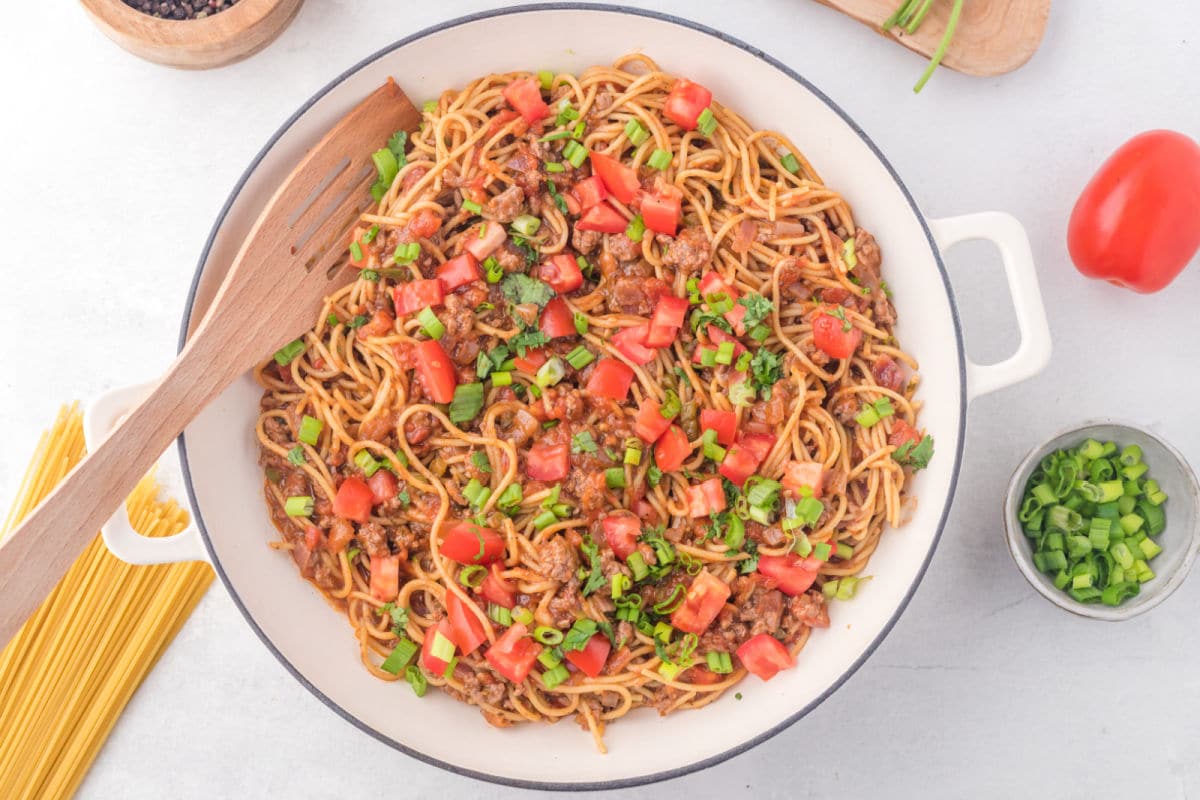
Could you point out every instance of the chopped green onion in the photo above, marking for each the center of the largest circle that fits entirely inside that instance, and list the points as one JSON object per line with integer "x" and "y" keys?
{"x": 430, "y": 323}
{"x": 553, "y": 166}
{"x": 659, "y": 159}
{"x": 550, "y": 657}
{"x": 706, "y": 123}
{"x": 790, "y": 163}
{"x": 499, "y": 614}
{"x": 552, "y": 137}
{"x": 296, "y": 456}
{"x": 356, "y": 252}
{"x": 310, "y": 430}
{"x": 494, "y": 272}
{"x": 633, "y": 452}
{"x": 708, "y": 357}
{"x": 822, "y": 551}
{"x": 637, "y": 565}
{"x": 467, "y": 402}
{"x": 575, "y": 154}
{"x": 725, "y": 353}
{"x": 443, "y": 648}
{"x": 802, "y": 546}
{"x": 554, "y": 677}
{"x": 522, "y": 615}
{"x": 367, "y": 462}
{"x": 472, "y": 576}
{"x": 550, "y": 373}
{"x": 741, "y": 393}
{"x": 620, "y": 585}
{"x": 719, "y": 662}
{"x": 636, "y": 230}
{"x": 583, "y": 442}
{"x": 580, "y": 357}
{"x": 286, "y": 354}
{"x": 416, "y": 679}
{"x": 546, "y": 78}
{"x": 510, "y": 498}
{"x": 400, "y": 656}
{"x": 848, "y": 256}
{"x": 712, "y": 450}
{"x": 614, "y": 478}
{"x": 544, "y": 520}
{"x": 526, "y": 225}
{"x": 472, "y": 207}
{"x": 300, "y": 506}
{"x": 735, "y": 533}
{"x": 671, "y": 406}
{"x": 406, "y": 253}
{"x": 635, "y": 133}
{"x": 547, "y": 635}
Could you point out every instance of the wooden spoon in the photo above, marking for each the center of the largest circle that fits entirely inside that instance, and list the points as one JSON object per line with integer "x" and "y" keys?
{"x": 273, "y": 292}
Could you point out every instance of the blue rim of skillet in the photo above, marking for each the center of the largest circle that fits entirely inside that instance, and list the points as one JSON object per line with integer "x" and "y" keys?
{"x": 749, "y": 743}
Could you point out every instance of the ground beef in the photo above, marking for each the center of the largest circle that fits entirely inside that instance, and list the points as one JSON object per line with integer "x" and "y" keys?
{"x": 481, "y": 687}
{"x": 277, "y": 430}
{"x": 804, "y": 610}
{"x": 373, "y": 539}
{"x": 565, "y": 404}
{"x": 866, "y": 250}
{"x": 586, "y": 486}
{"x": 586, "y": 242}
{"x": 510, "y": 258}
{"x": 631, "y": 295}
{"x": 774, "y": 411}
{"x": 526, "y": 164}
{"x": 815, "y": 355}
{"x": 762, "y": 609}
{"x": 295, "y": 483}
{"x": 377, "y": 428}
{"x": 689, "y": 251}
{"x": 791, "y": 281}
{"x": 558, "y": 559}
{"x": 887, "y": 373}
{"x": 508, "y": 205}
{"x": 419, "y": 427}
{"x": 458, "y": 315}
{"x": 622, "y": 247}
{"x": 845, "y": 408}
{"x": 771, "y": 536}
{"x": 324, "y": 575}
{"x": 564, "y": 606}
{"x": 341, "y": 531}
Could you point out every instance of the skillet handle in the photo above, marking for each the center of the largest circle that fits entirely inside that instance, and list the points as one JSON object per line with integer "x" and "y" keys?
{"x": 1007, "y": 234}
{"x": 119, "y": 535}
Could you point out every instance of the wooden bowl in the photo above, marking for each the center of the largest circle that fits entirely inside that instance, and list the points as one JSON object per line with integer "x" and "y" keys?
{"x": 214, "y": 41}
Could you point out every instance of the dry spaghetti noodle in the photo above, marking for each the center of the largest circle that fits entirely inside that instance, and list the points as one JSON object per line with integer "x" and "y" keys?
{"x": 612, "y": 412}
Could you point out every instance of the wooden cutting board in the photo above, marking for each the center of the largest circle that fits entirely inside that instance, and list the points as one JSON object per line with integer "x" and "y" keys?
{"x": 993, "y": 36}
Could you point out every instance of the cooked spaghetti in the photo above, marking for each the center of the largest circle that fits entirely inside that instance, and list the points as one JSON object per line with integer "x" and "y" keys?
{"x": 610, "y": 415}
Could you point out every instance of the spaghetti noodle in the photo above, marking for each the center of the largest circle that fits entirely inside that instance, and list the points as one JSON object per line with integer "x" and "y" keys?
{"x": 612, "y": 412}
{"x": 62, "y": 687}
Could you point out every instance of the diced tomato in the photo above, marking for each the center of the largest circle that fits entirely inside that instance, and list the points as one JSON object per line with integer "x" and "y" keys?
{"x": 703, "y": 601}
{"x": 435, "y": 371}
{"x": 548, "y": 462}
{"x": 380, "y": 324}
{"x": 459, "y": 271}
{"x": 739, "y": 464}
{"x": 589, "y": 192}
{"x": 671, "y": 311}
{"x": 468, "y": 543}
{"x": 562, "y": 272}
{"x": 672, "y": 449}
{"x": 706, "y": 499}
{"x": 701, "y": 676}
{"x": 557, "y": 320}
{"x": 797, "y": 474}
{"x": 513, "y": 653}
{"x": 428, "y": 661}
{"x": 383, "y": 486}
{"x": 590, "y": 660}
{"x": 620, "y": 180}
{"x": 903, "y": 432}
{"x": 713, "y": 283}
{"x": 621, "y": 531}
{"x": 422, "y": 226}
{"x": 497, "y": 590}
{"x": 357, "y": 236}
{"x": 792, "y": 574}
{"x": 481, "y": 247}
{"x": 314, "y": 538}
{"x": 415, "y": 295}
{"x": 660, "y": 336}
{"x": 610, "y": 378}
{"x": 631, "y": 343}
{"x": 525, "y": 95}
{"x": 466, "y": 630}
{"x": 719, "y": 336}
{"x": 353, "y": 500}
{"x": 502, "y": 118}
{"x": 602, "y": 217}
{"x": 651, "y": 424}
{"x": 530, "y": 361}
{"x": 765, "y": 656}
{"x": 685, "y": 102}
{"x": 759, "y": 444}
{"x": 736, "y": 319}
{"x": 661, "y": 213}
{"x": 830, "y": 335}
{"x": 723, "y": 422}
{"x": 385, "y": 577}
{"x": 573, "y": 207}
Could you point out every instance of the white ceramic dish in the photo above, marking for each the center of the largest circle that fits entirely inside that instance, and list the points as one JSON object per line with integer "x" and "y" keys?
{"x": 1180, "y": 540}
{"x": 219, "y": 450}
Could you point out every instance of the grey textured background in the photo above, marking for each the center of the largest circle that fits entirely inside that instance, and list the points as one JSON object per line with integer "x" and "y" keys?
{"x": 113, "y": 169}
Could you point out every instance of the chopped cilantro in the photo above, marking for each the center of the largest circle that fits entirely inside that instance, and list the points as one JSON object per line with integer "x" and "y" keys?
{"x": 758, "y": 308}
{"x": 583, "y": 442}
{"x": 595, "y": 573}
{"x": 480, "y": 459}
{"x": 520, "y": 288}
{"x": 296, "y": 455}
{"x": 916, "y": 456}
{"x": 765, "y": 369}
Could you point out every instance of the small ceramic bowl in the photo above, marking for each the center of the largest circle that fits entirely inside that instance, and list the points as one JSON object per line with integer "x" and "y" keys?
{"x": 213, "y": 41}
{"x": 1180, "y": 540}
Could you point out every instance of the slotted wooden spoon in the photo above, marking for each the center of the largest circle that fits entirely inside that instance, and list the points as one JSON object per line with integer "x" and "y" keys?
{"x": 273, "y": 291}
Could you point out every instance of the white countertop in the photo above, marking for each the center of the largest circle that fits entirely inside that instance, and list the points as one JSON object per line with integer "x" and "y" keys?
{"x": 113, "y": 170}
